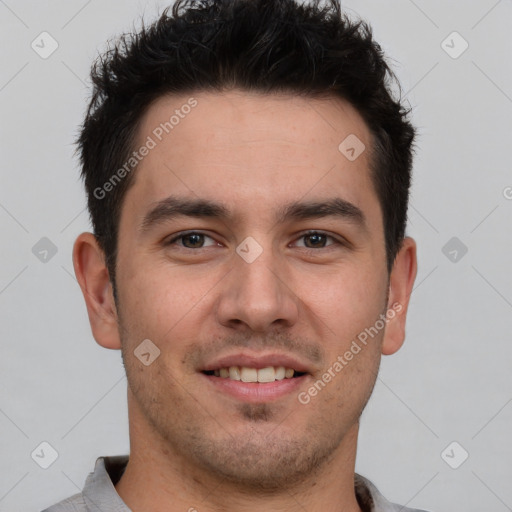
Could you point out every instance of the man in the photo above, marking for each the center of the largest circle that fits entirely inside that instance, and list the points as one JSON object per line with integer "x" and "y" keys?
{"x": 247, "y": 172}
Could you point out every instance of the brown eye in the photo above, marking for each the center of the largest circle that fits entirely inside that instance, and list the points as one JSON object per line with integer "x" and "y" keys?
{"x": 315, "y": 240}
{"x": 193, "y": 240}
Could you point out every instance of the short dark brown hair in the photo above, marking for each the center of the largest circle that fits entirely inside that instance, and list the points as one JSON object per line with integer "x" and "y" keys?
{"x": 309, "y": 49}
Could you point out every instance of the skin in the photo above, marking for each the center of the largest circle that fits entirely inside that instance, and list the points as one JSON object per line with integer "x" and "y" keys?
{"x": 191, "y": 445}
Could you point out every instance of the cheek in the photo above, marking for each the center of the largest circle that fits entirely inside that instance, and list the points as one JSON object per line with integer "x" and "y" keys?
{"x": 160, "y": 302}
{"x": 347, "y": 301}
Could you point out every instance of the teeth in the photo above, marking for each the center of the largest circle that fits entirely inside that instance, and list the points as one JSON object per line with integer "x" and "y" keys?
{"x": 280, "y": 373}
{"x": 234, "y": 373}
{"x": 246, "y": 374}
{"x": 267, "y": 374}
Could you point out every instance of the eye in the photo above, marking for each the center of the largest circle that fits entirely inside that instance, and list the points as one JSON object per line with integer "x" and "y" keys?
{"x": 192, "y": 240}
{"x": 316, "y": 240}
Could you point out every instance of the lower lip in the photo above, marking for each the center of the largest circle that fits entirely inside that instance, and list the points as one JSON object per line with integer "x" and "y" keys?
{"x": 256, "y": 392}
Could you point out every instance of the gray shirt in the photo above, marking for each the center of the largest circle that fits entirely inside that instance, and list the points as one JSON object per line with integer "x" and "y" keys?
{"x": 99, "y": 493}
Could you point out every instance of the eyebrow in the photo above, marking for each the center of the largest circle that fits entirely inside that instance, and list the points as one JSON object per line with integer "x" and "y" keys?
{"x": 335, "y": 207}
{"x": 172, "y": 207}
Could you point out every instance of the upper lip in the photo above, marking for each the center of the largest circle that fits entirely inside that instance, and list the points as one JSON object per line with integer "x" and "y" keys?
{"x": 254, "y": 360}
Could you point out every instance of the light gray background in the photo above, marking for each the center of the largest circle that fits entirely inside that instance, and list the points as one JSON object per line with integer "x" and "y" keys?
{"x": 450, "y": 382}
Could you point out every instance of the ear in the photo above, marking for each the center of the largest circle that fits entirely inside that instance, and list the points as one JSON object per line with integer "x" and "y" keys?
{"x": 94, "y": 280}
{"x": 401, "y": 282}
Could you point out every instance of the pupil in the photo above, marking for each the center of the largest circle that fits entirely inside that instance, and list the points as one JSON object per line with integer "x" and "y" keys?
{"x": 317, "y": 240}
{"x": 195, "y": 240}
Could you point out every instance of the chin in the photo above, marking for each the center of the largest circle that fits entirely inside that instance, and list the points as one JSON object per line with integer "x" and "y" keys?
{"x": 263, "y": 460}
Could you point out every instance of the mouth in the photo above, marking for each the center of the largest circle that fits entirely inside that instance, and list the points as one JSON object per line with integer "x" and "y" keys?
{"x": 261, "y": 375}
{"x": 256, "y": 379}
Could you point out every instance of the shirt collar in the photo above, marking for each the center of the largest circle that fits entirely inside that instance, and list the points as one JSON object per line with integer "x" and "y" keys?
{"x": 100, "y": 493}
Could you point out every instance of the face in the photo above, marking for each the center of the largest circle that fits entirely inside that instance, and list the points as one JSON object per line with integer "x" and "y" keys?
{"x": 251, "y": 249}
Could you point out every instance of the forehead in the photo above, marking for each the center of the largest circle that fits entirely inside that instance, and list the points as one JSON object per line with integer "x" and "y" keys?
{"x": 251, "y": 150}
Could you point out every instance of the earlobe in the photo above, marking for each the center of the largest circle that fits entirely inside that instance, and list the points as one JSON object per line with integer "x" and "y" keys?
{"x": 94, "y": 280}
{"x": 401, "y": 283}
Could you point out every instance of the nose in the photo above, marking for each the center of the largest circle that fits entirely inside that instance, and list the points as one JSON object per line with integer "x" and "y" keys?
{"x": 257, "y": 296}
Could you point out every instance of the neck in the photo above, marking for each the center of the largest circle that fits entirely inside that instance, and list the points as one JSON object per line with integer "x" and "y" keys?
{"x": 159, "y": 479}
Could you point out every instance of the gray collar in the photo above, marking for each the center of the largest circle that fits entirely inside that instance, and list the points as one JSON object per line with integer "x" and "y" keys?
{"x": 99, "y": 493}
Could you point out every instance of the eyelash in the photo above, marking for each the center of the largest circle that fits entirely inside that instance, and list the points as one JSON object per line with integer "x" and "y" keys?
{"x": 335, "y": 241}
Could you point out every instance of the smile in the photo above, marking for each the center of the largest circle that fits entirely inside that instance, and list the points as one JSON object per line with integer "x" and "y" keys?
{"x": 249, "y": 374}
